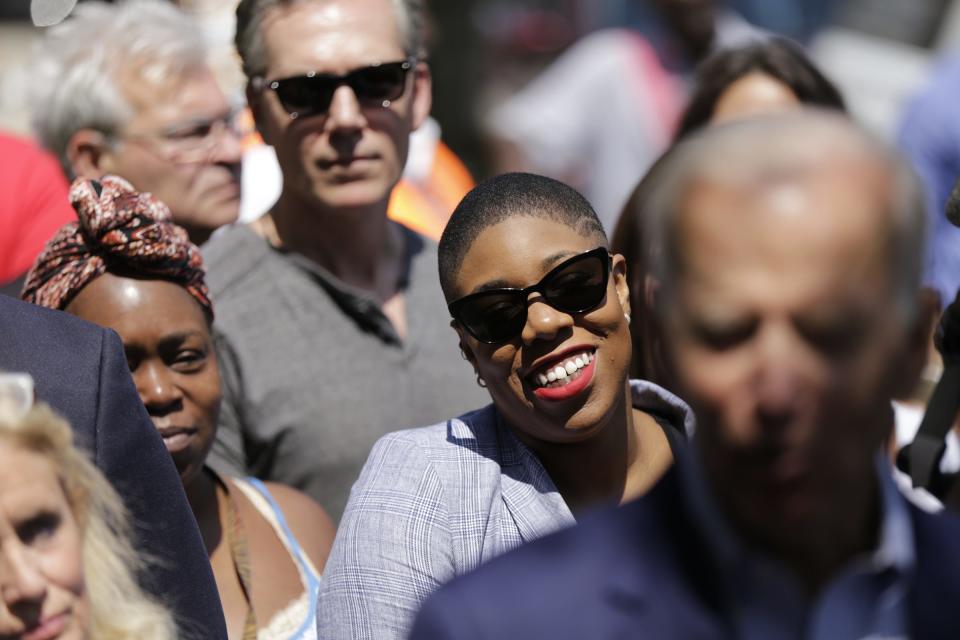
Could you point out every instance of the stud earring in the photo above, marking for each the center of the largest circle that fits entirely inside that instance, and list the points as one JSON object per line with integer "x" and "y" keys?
{"x": 627, "y": 316}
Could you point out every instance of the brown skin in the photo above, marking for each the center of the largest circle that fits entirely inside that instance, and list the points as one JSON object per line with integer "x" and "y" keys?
{"x": 167, "y": 340}
{"x": 595, "y": 446}
{"x": 754, "y": 94}
{"x": 790, "y": 362}
{"x": 340, "y": 168}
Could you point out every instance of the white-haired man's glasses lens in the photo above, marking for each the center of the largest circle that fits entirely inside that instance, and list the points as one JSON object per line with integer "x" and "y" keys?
{"x": 193, "y": 140}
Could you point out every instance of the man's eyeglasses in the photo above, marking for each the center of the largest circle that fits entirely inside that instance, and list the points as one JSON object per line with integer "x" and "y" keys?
{"x": 311, "y": 94}
{"x": 576, "y": 285}
{"x": 194, "y": 140}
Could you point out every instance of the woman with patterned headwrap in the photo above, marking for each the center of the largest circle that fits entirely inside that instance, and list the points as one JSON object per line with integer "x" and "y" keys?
{"x": 124, "y": 265}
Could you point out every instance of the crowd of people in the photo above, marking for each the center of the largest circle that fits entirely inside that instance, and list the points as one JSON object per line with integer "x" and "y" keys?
{"x": 663, "y": 405}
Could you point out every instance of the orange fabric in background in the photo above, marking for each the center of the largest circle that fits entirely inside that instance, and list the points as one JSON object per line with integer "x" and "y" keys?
{"x": 426, "y": 208}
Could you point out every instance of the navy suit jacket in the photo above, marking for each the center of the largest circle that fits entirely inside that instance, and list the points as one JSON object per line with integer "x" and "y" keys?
{"x": 640, "y": 571}
{"x": 81, "y": 371}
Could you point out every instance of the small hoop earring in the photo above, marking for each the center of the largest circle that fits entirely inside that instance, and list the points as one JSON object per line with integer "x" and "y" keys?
{"x": 480, "y": 382}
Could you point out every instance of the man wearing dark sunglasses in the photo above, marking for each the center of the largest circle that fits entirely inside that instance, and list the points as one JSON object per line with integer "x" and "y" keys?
{"x": 125, "y": 89}
{"x": 329, "y": 312}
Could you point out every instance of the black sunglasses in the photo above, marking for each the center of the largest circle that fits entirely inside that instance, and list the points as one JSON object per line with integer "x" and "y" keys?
{"x": 310, "y": 95}
{"x": 576, "y": 285}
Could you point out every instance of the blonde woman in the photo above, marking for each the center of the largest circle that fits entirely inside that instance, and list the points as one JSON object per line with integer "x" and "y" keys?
{"x": 67, "y": 566}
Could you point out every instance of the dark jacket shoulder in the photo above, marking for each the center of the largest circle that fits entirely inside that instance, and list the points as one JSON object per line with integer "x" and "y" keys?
{"x": 936, "y": 591}
{"x": 621, "y": 572}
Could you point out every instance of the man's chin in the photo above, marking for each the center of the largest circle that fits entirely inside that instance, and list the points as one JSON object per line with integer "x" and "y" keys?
{"x": 359, "y": 194}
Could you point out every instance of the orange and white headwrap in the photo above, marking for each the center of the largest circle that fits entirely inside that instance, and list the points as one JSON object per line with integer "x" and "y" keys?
{"x": 118, "y": 230}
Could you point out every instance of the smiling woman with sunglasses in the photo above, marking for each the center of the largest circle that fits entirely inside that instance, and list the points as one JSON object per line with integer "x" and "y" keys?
{"x": 541, "y": 310}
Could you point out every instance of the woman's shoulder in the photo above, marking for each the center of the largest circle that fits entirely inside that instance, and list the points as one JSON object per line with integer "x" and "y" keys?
{"x": 305, "y": 520}
{"x": 663, "y": 405}
{"x": 452, "y": 452}
{"x": 473, "y": 431}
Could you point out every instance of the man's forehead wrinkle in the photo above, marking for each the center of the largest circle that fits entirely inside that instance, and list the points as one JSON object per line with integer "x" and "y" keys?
{"x": 315, "y": 13}
{"x": 330, "y": 31}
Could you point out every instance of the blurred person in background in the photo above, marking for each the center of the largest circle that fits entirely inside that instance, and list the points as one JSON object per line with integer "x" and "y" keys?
{"x": 67, "y": 563}
{"x": 33, "y": 205}
{"x": 329, "y": 311}
{"x": 595, "y": 118}
{"x": 764, "y": 77}
{"x": 539, "y": 307}
{"x": 759, "y": 78}
{"x": 126, "y": 267}
{"x": 792, "y": 253}
{"x": 125, "y": 89}
{"x": 929, "y": 135}
{"x": 796, "y": 19}
{"x": 607, "y": 107}
{"x": 685, "y": 32}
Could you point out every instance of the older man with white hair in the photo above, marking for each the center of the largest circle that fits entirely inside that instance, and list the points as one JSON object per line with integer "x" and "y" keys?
{"x": 125, "y": 89}
{"x": 790, "y": 258}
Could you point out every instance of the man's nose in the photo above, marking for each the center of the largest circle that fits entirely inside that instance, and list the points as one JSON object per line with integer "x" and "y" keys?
{"x": 777, "y": 395}
{"x": 158, "y": 391}
{"x": 22, "y": 582}
{"x": 228, "y": 148}
{"x": 345, "y": 110}
{"x": 779, "y": 377}
{"x": 543, "y": 321}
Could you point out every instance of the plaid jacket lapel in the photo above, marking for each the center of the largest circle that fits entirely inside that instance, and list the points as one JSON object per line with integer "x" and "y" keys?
{"x": 534, "y": 503}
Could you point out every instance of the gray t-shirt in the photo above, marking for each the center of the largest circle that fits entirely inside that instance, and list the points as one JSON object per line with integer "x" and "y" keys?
{"x": 313, "y": 371}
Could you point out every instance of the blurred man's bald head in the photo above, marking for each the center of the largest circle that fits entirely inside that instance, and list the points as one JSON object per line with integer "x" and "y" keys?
{"x": 791, "y": 247}
{"x": 774, "y": 164}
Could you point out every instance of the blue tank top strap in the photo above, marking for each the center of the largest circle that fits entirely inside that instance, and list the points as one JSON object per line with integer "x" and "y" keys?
{"x": 313, "y": 582}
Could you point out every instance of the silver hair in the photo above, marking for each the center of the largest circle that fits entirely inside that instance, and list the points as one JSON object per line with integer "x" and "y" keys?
{"x": 249, "y": 38}
{"x": 784, "y": 146}
{"x": 82, "y": 63}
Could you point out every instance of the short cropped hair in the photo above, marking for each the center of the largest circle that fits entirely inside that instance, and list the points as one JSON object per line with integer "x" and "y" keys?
{"x": 119, "y": 608}
{"x": 779, "y": 58}
{"x": 511, "y": 195}
{"x": 82, "y": 62}
{"x": 784, "y": 145}
{"x": 249, "y": 34}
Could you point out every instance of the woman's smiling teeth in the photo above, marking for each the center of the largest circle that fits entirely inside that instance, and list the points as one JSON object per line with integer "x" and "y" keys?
{"x": 563, "y": 372}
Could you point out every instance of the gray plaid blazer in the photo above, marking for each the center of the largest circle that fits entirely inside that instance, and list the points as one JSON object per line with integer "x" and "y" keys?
{"x": 436, "y": 502}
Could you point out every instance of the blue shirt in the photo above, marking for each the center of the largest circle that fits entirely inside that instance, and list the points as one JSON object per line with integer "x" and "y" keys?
{"x": 867, "y": 599}
{"x": 930, "y": 138}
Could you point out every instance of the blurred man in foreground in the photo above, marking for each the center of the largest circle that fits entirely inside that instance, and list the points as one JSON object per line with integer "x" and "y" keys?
{"x": 792, "y": 249}
{"x": 125, "y": 89}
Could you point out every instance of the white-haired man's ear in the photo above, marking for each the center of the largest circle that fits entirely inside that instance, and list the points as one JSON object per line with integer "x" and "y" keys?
{"x": 88, "y": 154}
